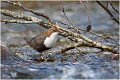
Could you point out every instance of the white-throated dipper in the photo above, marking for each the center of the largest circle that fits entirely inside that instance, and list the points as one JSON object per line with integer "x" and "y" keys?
{"x": 44, "y": 40}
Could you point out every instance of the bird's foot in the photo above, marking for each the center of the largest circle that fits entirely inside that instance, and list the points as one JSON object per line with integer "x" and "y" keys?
{"x": 45, "y": 60}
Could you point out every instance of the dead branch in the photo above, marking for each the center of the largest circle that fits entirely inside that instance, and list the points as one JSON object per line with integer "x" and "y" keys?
{"x": 108, "y": 11}
{"x": 29, "y": 10}
{"x": 113, "y": 7}
{"x": 63, "y": 10}
{"x": 66, "y": 33}
{"x": 74, "y": 27}
{"x": 17, "y": 21}
{"x": 19, "y": 15}
{"x": 60, "y": 5}
{"x": 87, "y": 6}
{"x": 83, "y": 43}
{"x": 106, "y": 38}
{"x": 74, "y": 46}
{"x": 78, "y": 29}
{"x": 71, "y": 24}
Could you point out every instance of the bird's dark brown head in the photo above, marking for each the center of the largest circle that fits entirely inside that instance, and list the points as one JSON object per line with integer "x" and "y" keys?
{"x": 51, "y": 30}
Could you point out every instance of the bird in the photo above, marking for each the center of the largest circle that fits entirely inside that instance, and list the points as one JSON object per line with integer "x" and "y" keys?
{"x": 44, "y": 40}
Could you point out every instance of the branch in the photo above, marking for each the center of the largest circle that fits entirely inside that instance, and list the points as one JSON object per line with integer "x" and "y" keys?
{"x": 87, "y": 10}
{"x": 78, "y": 29}
{"x": 19, "y": 15}
{"x": 63, "y": 10}
{"x": 17, "y": 21}
{"x": 106, "y": 38}
{"x": 91, "y": 42}
{"x": 63, "y": 32}
{"x": 108, "y": 11}
{"x": 74, "y": 46}
{"x": 29, "y": 10}
{"x": 114, "y": 7}
{"x": 83, "y": 43}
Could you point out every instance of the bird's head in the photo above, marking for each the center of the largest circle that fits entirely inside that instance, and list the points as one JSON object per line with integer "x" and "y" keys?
{"x": 54, "y": 30}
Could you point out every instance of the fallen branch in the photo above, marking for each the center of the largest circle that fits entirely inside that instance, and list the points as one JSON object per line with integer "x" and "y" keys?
{"x": 83, "y": 43}
{"x": 106, "y": 38}
{"x": 73, "y": 46}
{"x": 78, "y": 29}
{"x": 63, "y": 32}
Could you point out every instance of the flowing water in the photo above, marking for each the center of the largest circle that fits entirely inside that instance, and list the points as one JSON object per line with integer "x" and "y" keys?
{"x": 68, "y": 65}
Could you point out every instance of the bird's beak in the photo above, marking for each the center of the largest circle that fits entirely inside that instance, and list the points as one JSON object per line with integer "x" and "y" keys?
{"x": 58, "y": 27}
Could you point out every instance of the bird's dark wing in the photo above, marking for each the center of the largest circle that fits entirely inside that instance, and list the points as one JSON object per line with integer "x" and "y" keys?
{"x": 36, "y": 42}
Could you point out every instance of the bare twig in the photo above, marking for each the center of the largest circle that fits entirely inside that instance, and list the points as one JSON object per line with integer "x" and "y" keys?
{"x": 103, "y": 37}
{"x": 74, "y": 46}
{"x": 63, "y": 10}
{"x": 78, "y": 29}
{"x": 18, "y": 21}
{"x": 108, "y": 11}
{"x": 30, "y": 18}
{"x": 81, "y": 1}
{"x": 107, "y": 4}
{"x": 93, "y": 43}
{"x": 19, "y": 15}
{"x": 83, "y": 43}
{"x": 30, "y": 10}
{"x": 87, "y": 6}
{"x": 63, "y": 32}
{"x": 113, "y": 7}
{"x": 107, "y": 38}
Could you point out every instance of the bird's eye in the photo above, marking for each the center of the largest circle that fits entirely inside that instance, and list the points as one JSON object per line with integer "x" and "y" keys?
{"x": 54, "y": 29}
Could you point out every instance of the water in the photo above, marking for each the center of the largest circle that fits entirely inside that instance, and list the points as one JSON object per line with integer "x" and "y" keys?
{"x": 69, "y": 65}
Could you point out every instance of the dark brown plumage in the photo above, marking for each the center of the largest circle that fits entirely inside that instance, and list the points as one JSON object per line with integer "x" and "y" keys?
{"x": 37, "y": 42}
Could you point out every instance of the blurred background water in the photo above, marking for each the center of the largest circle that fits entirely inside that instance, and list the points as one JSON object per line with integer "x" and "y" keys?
{"x": 89, "y": 66}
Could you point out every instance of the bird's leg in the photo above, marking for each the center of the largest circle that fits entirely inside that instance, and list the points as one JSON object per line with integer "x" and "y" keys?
{"x": 45, "y": 56}
{"x": 41, "y": 56}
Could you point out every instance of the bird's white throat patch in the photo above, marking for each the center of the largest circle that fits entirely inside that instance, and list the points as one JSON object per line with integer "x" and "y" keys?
{"x": 51, "y": 40}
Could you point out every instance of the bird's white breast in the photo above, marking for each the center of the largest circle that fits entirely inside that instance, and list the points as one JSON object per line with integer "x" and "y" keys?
{"x": 51, "y": 40}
